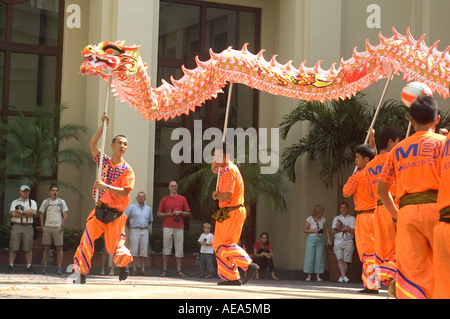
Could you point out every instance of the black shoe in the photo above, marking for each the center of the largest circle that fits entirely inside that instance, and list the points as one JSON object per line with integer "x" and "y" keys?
{"x": 81, "y": 280}
{"x": 230, "y": 283}
{"x": 250, "y": 273}
{"x": 124, "y": 272}
{"x": 10, "y": 269}
{"x": 30, "y": 270}
{"x": 368, "y": 291}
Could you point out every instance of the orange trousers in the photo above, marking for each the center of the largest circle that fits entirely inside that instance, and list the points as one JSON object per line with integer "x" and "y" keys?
{"x": 114, "y": 243}
{"x": 365, "y": 243}
{"x": 415, "y": 227}
{"x": 441, "y": 260}
{"x": 229, "y": 254}
{"x": 385, "y": 232}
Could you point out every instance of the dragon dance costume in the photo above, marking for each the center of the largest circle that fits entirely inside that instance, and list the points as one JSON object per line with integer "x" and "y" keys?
{"x": 364, "y": 226}
{"x": 227, "y": 233}
{"x": 384, "y": 227}
{"x": 441, "y": 244}
{"x": 119, "y": 175}
{"x": 417, "y": 175}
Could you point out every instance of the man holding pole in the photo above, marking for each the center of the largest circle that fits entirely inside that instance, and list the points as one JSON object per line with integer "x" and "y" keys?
{"x": 112, "y": 189}
{"x": 229, "y": 221}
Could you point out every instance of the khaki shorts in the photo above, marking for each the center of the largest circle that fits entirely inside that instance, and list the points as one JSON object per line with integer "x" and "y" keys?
{"x": 20, "y": 233}
{"x": 344, "y": 251}
{"x": 138, "y": 242}
{"x": 171, "y": 235}
{"x": 52, "y": 233}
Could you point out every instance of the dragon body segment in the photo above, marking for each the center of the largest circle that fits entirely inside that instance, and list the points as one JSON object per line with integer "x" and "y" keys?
{"x": 128, "y": 73}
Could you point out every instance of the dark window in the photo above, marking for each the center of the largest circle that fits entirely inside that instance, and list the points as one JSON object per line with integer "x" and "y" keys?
{"x": 188, "y": 29}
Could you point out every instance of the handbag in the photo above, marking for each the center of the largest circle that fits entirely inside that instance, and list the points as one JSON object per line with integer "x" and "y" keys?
{"x": 106, "y": 214}
{"x": 224, "y": 213}
{"x": 221, "y": 215}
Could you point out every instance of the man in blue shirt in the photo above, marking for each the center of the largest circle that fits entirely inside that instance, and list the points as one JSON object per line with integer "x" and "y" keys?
{"x": 139, "y": 217}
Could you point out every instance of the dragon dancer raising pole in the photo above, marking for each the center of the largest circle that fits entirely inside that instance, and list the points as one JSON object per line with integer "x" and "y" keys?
{"x": 229, "y": 221}
{"x": 117, "y": 180}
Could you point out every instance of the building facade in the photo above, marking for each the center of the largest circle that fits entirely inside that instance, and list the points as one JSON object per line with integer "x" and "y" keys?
{"x": 171, "y": 33}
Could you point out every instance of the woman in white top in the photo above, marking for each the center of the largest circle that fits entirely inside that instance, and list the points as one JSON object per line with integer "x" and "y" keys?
{"x": 315, "y": 227}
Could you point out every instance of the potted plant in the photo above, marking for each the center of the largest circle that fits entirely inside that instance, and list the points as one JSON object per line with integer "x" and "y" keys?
{"x": 155, "y": 239}
{"x": 190, "y": 247}
{"x": 33, "y": 148}
{"x": 4, "y": 244}
{"x": 71, "y": 241}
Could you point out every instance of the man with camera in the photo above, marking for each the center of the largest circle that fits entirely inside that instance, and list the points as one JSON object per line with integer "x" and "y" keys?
{"x": 343, "y": 228}
{"x": 173, "y": 208}
{"x": 22, "y": 213}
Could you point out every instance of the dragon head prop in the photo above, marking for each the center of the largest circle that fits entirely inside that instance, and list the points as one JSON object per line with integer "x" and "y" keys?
{"x": 111, "y": 59}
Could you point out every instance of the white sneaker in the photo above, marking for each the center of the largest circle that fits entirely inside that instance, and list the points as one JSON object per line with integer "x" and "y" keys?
{"x": 340, "y": 279}
{"x": 345, "y": 279}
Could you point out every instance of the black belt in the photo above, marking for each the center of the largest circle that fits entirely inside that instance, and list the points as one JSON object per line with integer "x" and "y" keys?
{"x": 106, "y": 214}
{"x": 445, "y": 215}
{"x": 426, "y": 197}
{"x": 222, "y": 214}
{"x": 444, "y": 219}
{"x": 368, "y": 211}
{"x": 233, "y": 207}
{"x": 380, "y": 202}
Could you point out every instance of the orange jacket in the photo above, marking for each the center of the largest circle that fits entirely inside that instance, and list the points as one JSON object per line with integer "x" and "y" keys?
{"x": 356, "y": 187}
{"x": 415, "y": 164}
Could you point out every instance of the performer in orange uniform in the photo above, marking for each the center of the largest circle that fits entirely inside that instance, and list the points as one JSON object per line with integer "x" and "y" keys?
{"x": 117, "y": 181}
{"x": 364, "y": 208}
{"x": 414, "y": 164}
{"x": 228, "y": 231}
{"x": 384, "y": 226}
{"x": 441, "y": 244}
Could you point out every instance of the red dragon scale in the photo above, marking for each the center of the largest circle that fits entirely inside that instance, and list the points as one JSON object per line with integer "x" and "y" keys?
{"x": 131, "y": 83}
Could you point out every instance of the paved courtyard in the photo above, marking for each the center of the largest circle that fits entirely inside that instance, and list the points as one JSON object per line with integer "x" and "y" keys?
{"x": 21, "y": 285}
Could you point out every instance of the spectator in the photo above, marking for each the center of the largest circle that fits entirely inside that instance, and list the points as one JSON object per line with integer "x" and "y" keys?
{"x": 139, "y": 217}
{"x": 173, "y": 208}
{"x": 206, "y": 251}
{"x": 315, "y": 227}
{"x": 343, "y": 228}
{"x": 53, "y": 215}
{"x": 263, "y": 255}
{"x": 22, "y": 212}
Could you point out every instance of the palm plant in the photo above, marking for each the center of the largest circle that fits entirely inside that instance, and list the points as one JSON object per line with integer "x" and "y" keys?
{"x": 334, "y": 131}
{"x": 199, "y": 182}
{"x": 29, "y": 147}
